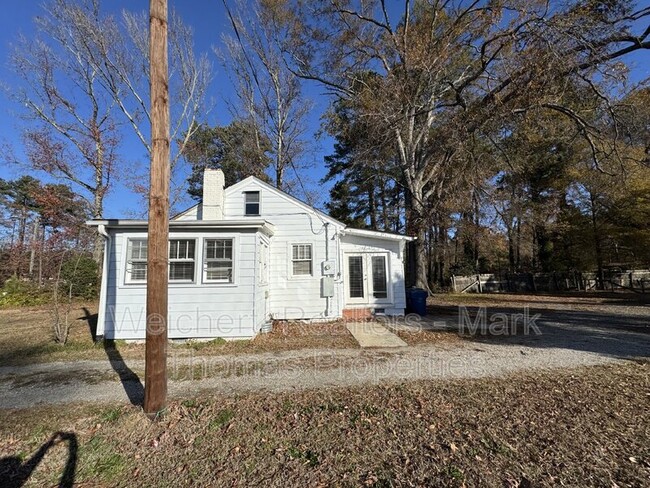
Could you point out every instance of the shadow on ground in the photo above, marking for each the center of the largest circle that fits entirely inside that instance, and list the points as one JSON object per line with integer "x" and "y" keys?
{"x": 14, "y": 473}
{"x": 91, "y": 320}
{"x": 608, "y": 334}
{"x": 130, "y": 380}
{"x": 568, "y": 298}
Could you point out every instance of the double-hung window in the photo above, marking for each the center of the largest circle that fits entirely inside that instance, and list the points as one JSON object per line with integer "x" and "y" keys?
{"x": 181, "y": 259}
{"x": 218, "y": 260}
{"x": 136, "y": 264}
{"x": 301, "y": 262}
{"x": 251, "y": 203}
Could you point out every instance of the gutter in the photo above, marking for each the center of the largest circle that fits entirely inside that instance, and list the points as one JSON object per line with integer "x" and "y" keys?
{"x": 266, "y": 227}
{"x": 374, "y": 234}
{"x": 101, "y": 313}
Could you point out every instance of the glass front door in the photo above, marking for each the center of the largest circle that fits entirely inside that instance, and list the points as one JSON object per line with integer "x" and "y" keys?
{"x": 367, "y": 278}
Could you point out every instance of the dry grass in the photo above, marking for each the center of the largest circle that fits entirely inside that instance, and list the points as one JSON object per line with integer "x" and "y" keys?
{"x": 26, "y": 338}
{"x": 423, "y": 337}
{"x": 599, "y": 302}
{"x": 285, "y": 336}
{"x": 575, "y": 428}
{"x": 26, "y": 334}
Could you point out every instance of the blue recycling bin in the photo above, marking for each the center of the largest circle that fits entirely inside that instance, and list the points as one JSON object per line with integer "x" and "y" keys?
{"x": 416, "y": 301}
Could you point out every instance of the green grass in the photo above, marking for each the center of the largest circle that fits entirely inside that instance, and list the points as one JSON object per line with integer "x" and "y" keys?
{"x": 100, "y": 460}
{"x": 309, "y": 457}
{"x": 201, "y": 345}
{"x": 110, "y": 414}
{"x": 223, "y": 417}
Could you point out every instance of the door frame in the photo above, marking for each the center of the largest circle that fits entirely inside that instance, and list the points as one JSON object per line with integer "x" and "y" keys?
{"x": 368, "y": 299}
{"x": 264, "y": 279}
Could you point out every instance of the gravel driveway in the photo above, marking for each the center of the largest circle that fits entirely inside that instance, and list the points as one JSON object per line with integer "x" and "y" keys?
{"x": 568, "y": 339}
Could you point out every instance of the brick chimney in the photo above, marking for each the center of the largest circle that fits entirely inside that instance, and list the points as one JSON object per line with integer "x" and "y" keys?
{"x": 213, "y": 185}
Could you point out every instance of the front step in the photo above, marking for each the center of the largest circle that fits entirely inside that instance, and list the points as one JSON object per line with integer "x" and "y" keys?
{"x": 359, "y": 314}
{"x": 373, "y": 334}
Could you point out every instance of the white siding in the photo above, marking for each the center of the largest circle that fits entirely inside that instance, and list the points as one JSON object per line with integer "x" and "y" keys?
{"x": 290, "y": 297}
{"x": 196, "y": 310}
{"x": 192, "y": 213}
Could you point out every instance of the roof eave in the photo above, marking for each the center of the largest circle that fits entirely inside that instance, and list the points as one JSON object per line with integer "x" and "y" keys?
{"x": 264, "y": 225}
{"x": 374, "y": 234}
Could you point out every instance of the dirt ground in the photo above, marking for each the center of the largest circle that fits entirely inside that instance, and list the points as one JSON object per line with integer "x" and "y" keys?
{"x": 597, "y": 302}
{"x": 26, "y": 338}
{"x": 26, "y": 334}
{"x": 303, "y": 356}
{"x": 579, "y": 427}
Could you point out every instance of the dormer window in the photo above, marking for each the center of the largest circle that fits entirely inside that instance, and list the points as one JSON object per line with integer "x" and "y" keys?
{"x": 251, "y": 203}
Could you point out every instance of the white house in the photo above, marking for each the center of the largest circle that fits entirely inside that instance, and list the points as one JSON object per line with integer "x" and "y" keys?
{"x": 246, "y": 255}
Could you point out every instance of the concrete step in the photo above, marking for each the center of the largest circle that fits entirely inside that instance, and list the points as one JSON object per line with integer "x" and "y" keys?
{"x": 373, "y": 334}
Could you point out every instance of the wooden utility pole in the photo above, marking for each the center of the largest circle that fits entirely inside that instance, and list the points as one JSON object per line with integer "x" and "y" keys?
{"x": 155, "y": 373}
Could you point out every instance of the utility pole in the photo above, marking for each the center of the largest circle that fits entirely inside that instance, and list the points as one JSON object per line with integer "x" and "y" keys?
{"x": 155, "y": 373}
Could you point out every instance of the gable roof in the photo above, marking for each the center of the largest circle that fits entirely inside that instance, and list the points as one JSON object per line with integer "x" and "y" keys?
{"x": 271, "y": 188}
{"x": 346, "y": 230}
{"x": 284, "y": 195}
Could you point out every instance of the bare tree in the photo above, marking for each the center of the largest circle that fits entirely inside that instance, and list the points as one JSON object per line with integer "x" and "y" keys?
{"x": 72, "y": 133}
{"x": 114, "y": 56}
{"x": 451, "y": 69}
{"x": 62, "y": 304}
{"x": 269, "y": 94}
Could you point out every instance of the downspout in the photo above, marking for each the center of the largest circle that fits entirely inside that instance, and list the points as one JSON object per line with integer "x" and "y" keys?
{"x": 340, "y": 281}
{"x": 101, "y": 313}
{"x": 327, "y": 256}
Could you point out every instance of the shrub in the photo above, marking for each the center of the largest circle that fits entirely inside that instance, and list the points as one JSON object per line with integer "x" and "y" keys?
{"x": 81, "y": 273}
{"x": 20, "y": 293}
{"x": 463, "y": 268}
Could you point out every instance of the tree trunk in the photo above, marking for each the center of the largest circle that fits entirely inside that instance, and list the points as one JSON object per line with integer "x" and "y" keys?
{"x": 420, "y": 230}
{"x": 40, "y": 257}
{"x": 432, "y": 262}
{"x": 279, "y": 175}
{"x": 518, "y": 247}
{"x": 511, "y": 248}
{"x": 476, "y": 222}
{"x": 33, "y": 246}
{"x": 384, "y": 205}
{"x": 442, "y": 254}
{"x": 98, "y": 205}
{"x": 372, "y": 208}
{"x": 421, "y": 280}
{"x": 597, "y": 243}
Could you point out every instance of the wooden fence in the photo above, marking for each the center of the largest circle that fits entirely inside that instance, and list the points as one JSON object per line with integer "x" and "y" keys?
{"x": 637, "y": 281}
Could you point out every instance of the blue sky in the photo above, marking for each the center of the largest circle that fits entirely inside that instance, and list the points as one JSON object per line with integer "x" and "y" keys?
{"x": 209, "y": 21}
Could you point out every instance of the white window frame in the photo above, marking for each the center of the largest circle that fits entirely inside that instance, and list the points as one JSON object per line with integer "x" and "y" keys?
{"x": 127, "y": 268}
{"x": 259, "y": 203}
{"x": 233, "y": 275}
{"x": 171, "y": 260}
{"x": 291, "y": 260}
